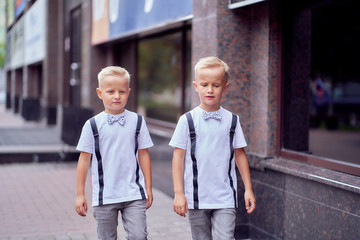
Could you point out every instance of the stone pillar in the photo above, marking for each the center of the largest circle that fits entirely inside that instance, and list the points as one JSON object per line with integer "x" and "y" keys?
{"x": 247, "y": 40}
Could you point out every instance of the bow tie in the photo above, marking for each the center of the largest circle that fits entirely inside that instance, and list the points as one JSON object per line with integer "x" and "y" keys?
{"x": 120, "y": 119}
{"x": 215, "y": 115}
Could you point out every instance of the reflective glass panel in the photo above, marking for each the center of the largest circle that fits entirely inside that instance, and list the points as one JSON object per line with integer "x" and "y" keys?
{"x": 159, "y": 77}
{"x": 322, "y": 79}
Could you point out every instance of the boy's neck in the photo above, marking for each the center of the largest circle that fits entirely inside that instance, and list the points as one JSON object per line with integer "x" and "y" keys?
{"x": 114, "y": 112}
{"x": 210, "y": 109}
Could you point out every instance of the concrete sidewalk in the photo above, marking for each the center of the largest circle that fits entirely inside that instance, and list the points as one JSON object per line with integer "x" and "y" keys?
{"x": 38, "y": 197}
{"x": 37, "y": 202}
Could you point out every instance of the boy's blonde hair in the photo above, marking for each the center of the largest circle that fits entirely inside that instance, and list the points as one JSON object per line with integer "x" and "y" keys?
{"x": 213, "y": 62}
{"x": 113, "y": 71}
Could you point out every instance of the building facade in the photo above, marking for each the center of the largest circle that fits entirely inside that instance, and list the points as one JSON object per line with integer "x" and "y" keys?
{"x": 293, "y": 82}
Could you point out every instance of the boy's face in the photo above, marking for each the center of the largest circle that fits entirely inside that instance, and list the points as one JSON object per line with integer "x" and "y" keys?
{"x": 114, "y": 92}
{"x": 210, "y": 85}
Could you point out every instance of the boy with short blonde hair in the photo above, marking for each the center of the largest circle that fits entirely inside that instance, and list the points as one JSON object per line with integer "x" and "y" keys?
{"x": 118, "y": 141}
{"x": 213, "y": 62}
{"x": 113, "y": 71}
{"x": 205, "y": 141}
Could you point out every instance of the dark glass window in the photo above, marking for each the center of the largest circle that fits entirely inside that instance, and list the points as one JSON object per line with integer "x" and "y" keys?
{"x": 188, "y": 71}
{"x": 321, "y": 82}
{"x": 163, "y": 75}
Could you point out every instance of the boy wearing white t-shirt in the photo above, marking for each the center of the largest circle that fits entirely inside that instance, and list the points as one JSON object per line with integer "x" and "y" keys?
{"x": 115, "y": 138}
{"x": 203, "y": 162}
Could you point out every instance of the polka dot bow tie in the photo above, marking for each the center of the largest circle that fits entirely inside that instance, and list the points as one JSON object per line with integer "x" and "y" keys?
{"x": 215, "y": 115}
{"x": 120, "y": 119}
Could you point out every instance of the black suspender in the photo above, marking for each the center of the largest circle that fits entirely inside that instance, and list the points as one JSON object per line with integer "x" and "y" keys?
{"x": 138, "y": 126}
{"x": 193, "y": 158}
{"x": 195, "y": 171}
{"x": 232, "y": 132}
{"x": 99, "y": 158}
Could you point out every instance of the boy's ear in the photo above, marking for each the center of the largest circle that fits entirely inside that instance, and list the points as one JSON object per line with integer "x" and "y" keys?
{"x": 195, "y": 85}
{"x": 226, "y": 87}
{"x": 98, "y": 91}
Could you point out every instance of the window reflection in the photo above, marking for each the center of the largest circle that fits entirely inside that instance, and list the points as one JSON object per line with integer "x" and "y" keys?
{"x": 335, "y": 88}
{"x": 159, "y": 74}
{"x": 188, "y": 72}
{"x": 326, "y": 60}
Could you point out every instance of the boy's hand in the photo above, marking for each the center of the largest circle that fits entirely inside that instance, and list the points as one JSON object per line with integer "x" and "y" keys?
{"x": 250, "y": 202}
{"x": 180, "y": 205}
{"x": 150, "y": 198}
{"x": 81, "y": 206}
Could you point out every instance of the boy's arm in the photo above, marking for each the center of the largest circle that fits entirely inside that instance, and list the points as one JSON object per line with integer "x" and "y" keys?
{"x": 145, "y": 164}
{"x": 243, "y": 166}
{"x": 81, "y": 173}
{"x": 180, "y": 202}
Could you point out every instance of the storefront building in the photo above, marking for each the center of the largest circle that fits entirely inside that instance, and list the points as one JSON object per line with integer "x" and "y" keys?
{"x": 293, "y": 82}
{"x": 32, "y": 71}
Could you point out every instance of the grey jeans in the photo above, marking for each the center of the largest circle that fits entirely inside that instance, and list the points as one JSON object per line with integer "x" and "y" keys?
{"x": 215, "y": 224}
{"x": 133, "y": 218}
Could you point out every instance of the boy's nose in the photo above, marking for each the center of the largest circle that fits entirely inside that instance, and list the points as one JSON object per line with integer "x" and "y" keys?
{"x": 210, "y": 89}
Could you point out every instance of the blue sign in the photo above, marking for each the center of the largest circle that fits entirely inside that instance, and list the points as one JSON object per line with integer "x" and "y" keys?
{"x": 131, "y": 16}
{"x": 20, "y": 7}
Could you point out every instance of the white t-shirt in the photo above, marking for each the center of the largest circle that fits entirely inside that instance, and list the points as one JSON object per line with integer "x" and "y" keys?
{"x": 212, "y": 155}
{"x": 119, "y": 163}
